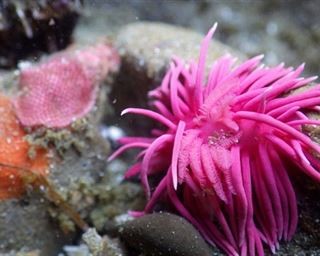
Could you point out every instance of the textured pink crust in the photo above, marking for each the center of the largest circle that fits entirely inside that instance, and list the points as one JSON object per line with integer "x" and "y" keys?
{"x": 62, "y": 89}
{"x": 224, "y": 148}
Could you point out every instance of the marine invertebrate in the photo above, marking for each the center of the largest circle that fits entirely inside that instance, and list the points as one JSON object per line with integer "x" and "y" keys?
{"x": 225, "y": 148}
{"x": 14, "y": 151}
{"x": 63, "y": 88}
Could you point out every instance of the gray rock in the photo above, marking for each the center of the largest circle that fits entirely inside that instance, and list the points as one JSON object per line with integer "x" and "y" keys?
{"x": 164, "y": 234}
{"x": 150, "y": 46}
{"x": 91, "y": 185}
{"x": 25, "y": 226}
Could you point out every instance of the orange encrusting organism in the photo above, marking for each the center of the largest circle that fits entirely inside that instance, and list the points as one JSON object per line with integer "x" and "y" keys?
{"x": 14, "y": 152}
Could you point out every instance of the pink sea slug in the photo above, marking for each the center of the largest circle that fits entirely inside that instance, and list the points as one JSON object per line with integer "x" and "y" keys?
{"x": 63, "y": 88}
{"x": 224, "y": 146}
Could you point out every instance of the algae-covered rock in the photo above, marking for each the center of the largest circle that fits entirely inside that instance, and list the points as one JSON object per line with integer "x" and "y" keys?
{"x": 79, "y": 179}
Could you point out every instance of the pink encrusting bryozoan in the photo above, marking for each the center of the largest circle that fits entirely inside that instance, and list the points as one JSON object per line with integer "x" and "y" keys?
{"x": 63, "y": 88}
{"x": 224, "y": 146}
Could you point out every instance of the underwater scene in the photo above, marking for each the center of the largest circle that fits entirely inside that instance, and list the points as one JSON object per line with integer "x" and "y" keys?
{"x": 159, "y": 128}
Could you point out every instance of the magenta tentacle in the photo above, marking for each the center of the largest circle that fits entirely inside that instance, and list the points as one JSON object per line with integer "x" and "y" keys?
{"x": 201, "y": 65}
{"x": 147, "y": 158}
{"x": 175, "y": 153}
{"x": 211, "y": 172}
{"x": 151, "y": 114}
{"x": 126, "y": 147}
{"x": 279, "y": 125}
{"x": 237, "y": 179}
{"x": 272, "y": 188}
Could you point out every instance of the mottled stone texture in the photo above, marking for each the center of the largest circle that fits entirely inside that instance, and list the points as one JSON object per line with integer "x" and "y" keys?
{"x": 25, "y": 226}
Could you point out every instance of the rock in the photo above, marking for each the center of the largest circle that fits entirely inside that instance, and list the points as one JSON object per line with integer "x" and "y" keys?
{"x": 164, "y": 234}
{"x": 93, "y": 187}
{"x": 25, "y": 226}
{"x": 146, "y": 49}
{"x": 102, "y": 246}
{"x": 150, "y": 46}
{"x": 94, "y": 241}
{"x": 79, "y": 173}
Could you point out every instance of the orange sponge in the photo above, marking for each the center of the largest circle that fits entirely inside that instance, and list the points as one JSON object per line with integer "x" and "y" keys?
{"x": 15, "y": 160}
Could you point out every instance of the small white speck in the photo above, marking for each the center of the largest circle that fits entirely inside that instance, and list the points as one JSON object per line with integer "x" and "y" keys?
{"x": 141, "y": 62}
{"x": 52, "y": 22}
{"x": 24, "y": 65}
{"x": 112, "y": 132}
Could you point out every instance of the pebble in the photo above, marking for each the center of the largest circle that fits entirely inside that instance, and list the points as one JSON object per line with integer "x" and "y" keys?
{"x": 164, "y": 234}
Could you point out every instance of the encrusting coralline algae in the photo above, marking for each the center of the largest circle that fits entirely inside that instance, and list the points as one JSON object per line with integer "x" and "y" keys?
{"x": 63, "y": 88}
